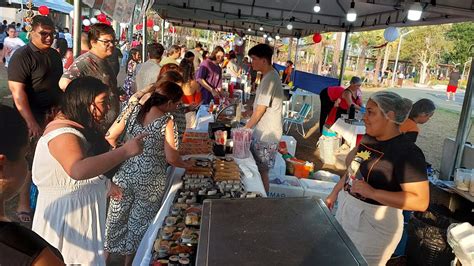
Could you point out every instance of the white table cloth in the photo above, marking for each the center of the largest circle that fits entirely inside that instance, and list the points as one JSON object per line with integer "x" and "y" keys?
{"x": 348, "y": 131}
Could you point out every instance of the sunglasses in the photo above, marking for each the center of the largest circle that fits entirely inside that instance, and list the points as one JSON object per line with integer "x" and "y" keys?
{"x": 45, "y": 34}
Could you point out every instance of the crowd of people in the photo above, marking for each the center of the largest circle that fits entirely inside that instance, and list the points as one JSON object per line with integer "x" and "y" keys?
{"x": 86, "y": 139}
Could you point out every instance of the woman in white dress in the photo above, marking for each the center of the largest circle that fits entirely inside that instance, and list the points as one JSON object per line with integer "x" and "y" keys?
{"x": 70, "y": 159}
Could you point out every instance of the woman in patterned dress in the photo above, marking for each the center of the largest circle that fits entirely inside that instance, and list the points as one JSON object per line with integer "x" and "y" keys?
{"x": 143, "y": 178}
{"x": 133, "y": 61}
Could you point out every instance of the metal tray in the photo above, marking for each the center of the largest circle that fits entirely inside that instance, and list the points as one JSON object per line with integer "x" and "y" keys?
{"x": 263, "y": 231}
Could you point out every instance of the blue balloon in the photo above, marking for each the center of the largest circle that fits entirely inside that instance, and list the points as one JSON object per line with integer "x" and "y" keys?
{"x": 391, "y": 34}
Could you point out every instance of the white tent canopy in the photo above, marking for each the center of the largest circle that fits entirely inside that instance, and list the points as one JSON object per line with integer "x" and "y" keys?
{"x": 274, "y": 15}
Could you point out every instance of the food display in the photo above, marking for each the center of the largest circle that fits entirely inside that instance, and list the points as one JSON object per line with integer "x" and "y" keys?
{"x": 195, "y": 143}
{"x": 177, "y": 239}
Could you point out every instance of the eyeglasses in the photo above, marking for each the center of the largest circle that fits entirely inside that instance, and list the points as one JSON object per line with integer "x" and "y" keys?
{"x": 45, "y": 34}
{"x": 108, "y": 42}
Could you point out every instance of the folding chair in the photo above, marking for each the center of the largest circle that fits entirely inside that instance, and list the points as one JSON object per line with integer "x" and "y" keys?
{"x": 298, "y": 120}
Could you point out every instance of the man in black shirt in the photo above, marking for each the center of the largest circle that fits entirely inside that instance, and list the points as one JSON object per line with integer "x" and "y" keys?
{"x": 33, "y": 76}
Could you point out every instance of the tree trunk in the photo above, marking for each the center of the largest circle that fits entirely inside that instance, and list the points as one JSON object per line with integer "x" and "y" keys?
{"x": 423, "y": 69}
{"x": 377, "y": 67}
{"x": 361, "y": 61}
{"x": 318, "y": 58}
{"x": 386, "y": 58}
{"x": 335, "y": 58}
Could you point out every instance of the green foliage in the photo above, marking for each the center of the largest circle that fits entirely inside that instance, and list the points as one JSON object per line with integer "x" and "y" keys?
{"x": 425, "y": 44}
{"x": 462, "y": 36}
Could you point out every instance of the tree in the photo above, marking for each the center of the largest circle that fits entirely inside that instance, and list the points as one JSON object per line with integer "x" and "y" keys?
{"x": 363, "y": 40}
{"x": 462, "y": 37}
{"x": 425, "y": 46}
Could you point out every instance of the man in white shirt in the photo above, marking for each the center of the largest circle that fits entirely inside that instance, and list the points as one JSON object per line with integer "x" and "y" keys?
{"x": 148, "y": 72}
{"x": 68, "y": 37}
{"x": 266, "y": 119}
{"x": 197, "y": 55}
{"x": 11, "y": 44}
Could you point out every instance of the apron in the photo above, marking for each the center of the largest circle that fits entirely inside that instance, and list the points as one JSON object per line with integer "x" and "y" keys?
{"x": 375, "y": 230}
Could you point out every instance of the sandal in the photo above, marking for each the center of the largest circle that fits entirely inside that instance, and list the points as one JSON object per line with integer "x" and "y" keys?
{"x": 24, "y": 216}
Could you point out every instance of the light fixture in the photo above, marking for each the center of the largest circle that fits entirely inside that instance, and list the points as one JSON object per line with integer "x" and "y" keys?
{"x": 244, "y": 38}
{"x": 270, "y": 38}
{"x": 316, "y": 7}
{"x": 290, "y": 26}
{"x": 277, "y": 37}
{"x": 265, "y": 35}
{"x": 249, "y": 29}
{"x": 414, "y": 13}
{"x": 351, "y": 13}
{"x": 261, "y": 28}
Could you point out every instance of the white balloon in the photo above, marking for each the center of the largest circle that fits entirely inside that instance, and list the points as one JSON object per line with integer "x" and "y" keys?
{"x": 156, "y": 28}
{"x": 94, "y": 20}
{"x": 71, "y": 14}
{"x": 123, "y": 25}
{"x": 166, "y": 24}
{"x": 391, "y": 34}
{"x": 86, "y": 22}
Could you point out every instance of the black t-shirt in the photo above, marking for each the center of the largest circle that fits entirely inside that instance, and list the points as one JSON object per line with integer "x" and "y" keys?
{"x": 40, "y": 71}
{"x": 387, "y": 164}
{"x": 454, "y": 78}
{"x": 21, "y": 246}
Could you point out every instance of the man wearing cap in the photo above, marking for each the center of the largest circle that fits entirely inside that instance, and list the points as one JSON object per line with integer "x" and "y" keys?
{"x": 352, "y": 95}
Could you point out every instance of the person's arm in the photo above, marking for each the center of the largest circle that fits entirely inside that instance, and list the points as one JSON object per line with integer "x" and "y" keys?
{"x": 414, "y": 196}
{"x": 411, "y": 135}
{"x": 171, "y": 152}
{"x": 47, "y": 258}
{"x": 347, "y": 96}
{"x": 256, "y": 116}
{"x": 208, "y": 87}
{"x": 332, "y": 197}
{"x": 67, "y": 150}
{"x": 21, "y": 102}
{"x": 63, "y": 82}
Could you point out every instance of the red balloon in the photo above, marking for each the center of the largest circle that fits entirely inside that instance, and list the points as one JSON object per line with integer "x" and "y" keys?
{"x": 87, "y": 28}
{"x": 43, "y": 10}
{"x": 102, "y": 17}
{"x": 172, "y": 29}
{"x": 139, "y": 27}
{"x": 150, "y": 23}
{"x": 317, "y": 38}
{"x": 108, "y": 22}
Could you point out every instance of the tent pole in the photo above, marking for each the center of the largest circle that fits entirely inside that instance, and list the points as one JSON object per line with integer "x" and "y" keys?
{"x": 344, "y": 55}
{"x": 163, "y": 31}
{"x": 144, "y": 38}
{"x": 77, "y": 29}
{"x": 293, "y": 75}
{"x": 464, "y": 120}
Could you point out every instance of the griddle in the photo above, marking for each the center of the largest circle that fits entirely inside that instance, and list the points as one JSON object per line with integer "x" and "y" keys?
{"x": 264, "y": 231}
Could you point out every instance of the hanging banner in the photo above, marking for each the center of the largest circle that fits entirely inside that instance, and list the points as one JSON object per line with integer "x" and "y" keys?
{"x": 120, "y": 10}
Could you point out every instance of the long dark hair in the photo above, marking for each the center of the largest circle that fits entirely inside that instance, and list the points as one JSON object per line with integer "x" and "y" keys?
{"x": 171, "y": 75}
{"x": 163, "y": 92}
{"x": 75, "y": 106}
{"x": 187, "y": 67}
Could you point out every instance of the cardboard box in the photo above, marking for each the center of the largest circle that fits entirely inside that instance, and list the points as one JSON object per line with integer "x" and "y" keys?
{"x": 317, "y": 188}
{"x": 285, "y": 187}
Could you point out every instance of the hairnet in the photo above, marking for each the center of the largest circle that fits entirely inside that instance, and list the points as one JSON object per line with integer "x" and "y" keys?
{"x": 389, "y": 101}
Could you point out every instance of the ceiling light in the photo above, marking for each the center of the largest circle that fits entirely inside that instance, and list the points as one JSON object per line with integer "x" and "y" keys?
{"x": 316, "y": 7}
{"x": 249, "y": 29}
{"x": 265, "y": 35}
{"x": 270, "y": 38}
{"x": 244, "y": 38}
{"x": 277, "y": 37}
{"x": 289, "y": 26}
{"x": 261, "y": 28}
{"x": 351, "y": 13}
{"x": 414, "y": 13}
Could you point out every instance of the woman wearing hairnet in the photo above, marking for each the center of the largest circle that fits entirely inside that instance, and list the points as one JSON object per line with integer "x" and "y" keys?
{"x": 387, "y": 175}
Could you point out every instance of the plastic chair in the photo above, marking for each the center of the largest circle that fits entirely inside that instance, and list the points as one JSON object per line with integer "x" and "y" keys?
{"x": 298, "y": 120}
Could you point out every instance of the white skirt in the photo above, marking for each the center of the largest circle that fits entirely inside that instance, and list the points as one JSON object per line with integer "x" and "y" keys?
{"x": 375, "y": 230}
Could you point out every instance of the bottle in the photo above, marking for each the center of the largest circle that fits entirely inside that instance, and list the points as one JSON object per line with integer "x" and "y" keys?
{"x": 352, "y": 112}
{"x": 211, "y": 106}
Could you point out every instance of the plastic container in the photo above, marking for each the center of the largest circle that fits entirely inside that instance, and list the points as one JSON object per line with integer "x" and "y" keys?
{"x": 327, "y": 149}
{"x": 462, "y": 179}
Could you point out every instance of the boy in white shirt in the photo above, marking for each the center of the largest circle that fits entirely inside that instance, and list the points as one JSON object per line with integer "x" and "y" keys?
{"x": 11, "y": 43}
